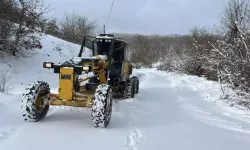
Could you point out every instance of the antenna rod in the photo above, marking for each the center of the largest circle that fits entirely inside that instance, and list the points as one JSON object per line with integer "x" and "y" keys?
{"x": 104, "y": 28}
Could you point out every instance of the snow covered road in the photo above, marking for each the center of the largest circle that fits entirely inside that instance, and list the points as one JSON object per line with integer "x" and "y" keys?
{"x": 171, "y": 112}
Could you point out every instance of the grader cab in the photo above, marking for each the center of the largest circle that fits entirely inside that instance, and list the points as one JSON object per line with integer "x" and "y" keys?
{"x": 111, "y": 74}
{"x": 120, "y": 70}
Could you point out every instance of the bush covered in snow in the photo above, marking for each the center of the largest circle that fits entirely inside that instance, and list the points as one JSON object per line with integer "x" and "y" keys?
{"x": 232, "y": 60}
{"x": 5, "y": 82}
{"x": 181, "y": 53}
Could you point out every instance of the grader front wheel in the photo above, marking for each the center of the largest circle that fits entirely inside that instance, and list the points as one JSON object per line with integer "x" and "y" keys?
{"x": 33, "y": 104}
{"x": 102, "y": 106}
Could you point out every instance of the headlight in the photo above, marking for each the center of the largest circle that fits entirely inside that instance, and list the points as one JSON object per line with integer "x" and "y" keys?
{"x": 85, "y": 68}
{"x": 48, "y": 65}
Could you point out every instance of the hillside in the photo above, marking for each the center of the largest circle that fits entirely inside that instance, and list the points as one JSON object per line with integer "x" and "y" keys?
{"x": 24, "y": 70}
{"x": 172, "y": 111}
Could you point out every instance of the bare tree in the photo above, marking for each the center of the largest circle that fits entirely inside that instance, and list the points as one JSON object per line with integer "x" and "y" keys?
{"x": 236, "y": 14}
{"x": 7, "y": 27}
{"x": 202, "y": 39}
{"x": 142, "y": 50}
{"x": 6, "y": 7}
{"x": 231, "y": 54}
{"x": 74, "y": 27}
{"x": 52, "y": 27}
{"x": 30, "y": 22}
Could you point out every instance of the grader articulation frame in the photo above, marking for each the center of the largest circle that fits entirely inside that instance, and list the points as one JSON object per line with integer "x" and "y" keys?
{"x": 111, "y": 75}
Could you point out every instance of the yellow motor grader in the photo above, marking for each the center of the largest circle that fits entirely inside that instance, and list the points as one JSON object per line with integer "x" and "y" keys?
{"x": 111, "y": 74}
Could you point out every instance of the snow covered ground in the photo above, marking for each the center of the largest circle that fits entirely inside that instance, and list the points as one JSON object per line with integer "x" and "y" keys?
{"x": 172, "y": 111}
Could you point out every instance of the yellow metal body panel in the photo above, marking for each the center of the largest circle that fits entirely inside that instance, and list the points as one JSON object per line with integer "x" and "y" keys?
{"x": 83, "y": 98}
{"x": 87, "y": 92}
{"x": 99, "y": 68}
{"x": 77, "y": 101}
{"x": 126, "y": 70}
{"x": 102, "y": 77}
{"x": 71, "y": 103}
{"x": 130, "y": 67}
{"x": 66, "y": 83}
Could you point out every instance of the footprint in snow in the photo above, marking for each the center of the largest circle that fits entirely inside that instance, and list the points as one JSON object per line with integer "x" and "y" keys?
{"x": 5, "y": 133}
{"x": 132, "y": 139}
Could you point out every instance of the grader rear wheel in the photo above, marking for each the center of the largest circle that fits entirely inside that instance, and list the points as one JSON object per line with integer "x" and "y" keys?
{"x": 128, "y": 91}
{"x": 33, "y": 104}
{"x": 136, "y": 84}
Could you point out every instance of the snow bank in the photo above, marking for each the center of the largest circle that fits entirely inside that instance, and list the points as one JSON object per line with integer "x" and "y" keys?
{"x": 208, "y": 91}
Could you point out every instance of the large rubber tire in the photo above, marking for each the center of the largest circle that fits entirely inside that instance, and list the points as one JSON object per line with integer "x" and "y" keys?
{"x": 136, "y": 80}
{"x": 30, "y": 111}
{"x": 132, "y": 88}
{"x": 128, "y": 91}
{"x": 102, "y": 106}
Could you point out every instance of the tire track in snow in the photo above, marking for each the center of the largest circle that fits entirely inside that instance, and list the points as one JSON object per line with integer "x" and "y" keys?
{"x": 133, "y": 138}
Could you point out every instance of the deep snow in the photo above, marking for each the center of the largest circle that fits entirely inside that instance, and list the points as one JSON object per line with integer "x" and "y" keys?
{"x": 172, "y": 111}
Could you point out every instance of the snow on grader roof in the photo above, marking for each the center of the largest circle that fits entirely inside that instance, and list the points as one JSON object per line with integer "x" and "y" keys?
{"x": 109, "y": 36}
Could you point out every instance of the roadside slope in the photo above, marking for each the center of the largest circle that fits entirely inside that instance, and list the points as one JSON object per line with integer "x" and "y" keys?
{"x": 24, "y": 70}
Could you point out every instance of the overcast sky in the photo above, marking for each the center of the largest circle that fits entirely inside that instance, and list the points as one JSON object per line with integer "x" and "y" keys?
{"x": 145, "y": 16}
